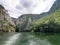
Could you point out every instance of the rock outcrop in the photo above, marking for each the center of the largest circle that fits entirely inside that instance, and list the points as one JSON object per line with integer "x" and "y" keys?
{"x": 6, "y": 23}
{"x": 25, "y": 20}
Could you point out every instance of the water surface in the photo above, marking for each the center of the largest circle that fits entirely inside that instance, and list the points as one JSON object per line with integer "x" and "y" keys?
{"x": 29, "y": 39}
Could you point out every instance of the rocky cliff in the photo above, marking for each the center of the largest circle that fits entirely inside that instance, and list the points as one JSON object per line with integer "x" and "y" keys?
{"x": 25, "y": 20}
{"x": 6, "y": 23}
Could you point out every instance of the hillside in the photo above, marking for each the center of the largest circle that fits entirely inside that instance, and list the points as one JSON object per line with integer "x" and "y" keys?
{"x": 55, "y": 6}
{"x": 25, "y": 20}
{"x": 6, "y": 23}
{"x": 49, "y": 23}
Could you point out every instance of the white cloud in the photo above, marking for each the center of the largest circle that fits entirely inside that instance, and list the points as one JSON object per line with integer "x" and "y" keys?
{"x": 43, "y": 6}
{"x": 18, "y": 7}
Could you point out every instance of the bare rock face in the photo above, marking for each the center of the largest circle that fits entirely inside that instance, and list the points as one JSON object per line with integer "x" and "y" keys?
{"x": 6, "y": 23}
{"x": 25, "y": 20}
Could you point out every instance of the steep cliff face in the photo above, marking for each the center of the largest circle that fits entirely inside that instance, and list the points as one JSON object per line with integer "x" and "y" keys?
{"x": 6, "y": 23}
{"x": 25, "y": 20}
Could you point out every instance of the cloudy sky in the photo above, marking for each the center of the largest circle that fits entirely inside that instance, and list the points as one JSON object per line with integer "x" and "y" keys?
{"x": 18, "y": 7}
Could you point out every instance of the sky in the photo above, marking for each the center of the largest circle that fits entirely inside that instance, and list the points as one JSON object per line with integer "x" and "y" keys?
{"x": 17, "y": 8}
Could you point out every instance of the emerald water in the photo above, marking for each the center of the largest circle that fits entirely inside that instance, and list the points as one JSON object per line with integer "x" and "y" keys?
{"x": 27, "y": 38}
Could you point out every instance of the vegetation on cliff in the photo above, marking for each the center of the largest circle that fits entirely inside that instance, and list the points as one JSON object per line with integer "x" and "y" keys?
{"x": 49, "y": 23}
{"x": 6, "y": 23}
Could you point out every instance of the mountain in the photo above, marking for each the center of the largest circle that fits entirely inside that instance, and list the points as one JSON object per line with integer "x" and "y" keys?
{"x": 6, "y": 23}
{"x": 55, "y": 6}
{"x": 23, "y": 21}
{"x": 14, "y": 20}
{"x": 26, "y": 19}
{"x": 49, "y": 23}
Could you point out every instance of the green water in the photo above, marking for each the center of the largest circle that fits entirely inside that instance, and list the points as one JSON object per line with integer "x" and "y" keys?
{"x": 29, "y": 39}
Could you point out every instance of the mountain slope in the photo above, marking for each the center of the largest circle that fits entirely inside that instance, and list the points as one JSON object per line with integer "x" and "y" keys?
{"x": 55, "y": 6}
{"x": 49, "y": 23}
{"x": 23, "y": 21}
{"x": 6, "y": 23}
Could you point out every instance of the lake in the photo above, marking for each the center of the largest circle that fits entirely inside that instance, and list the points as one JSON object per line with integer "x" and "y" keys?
{"x": 28, "y": 38}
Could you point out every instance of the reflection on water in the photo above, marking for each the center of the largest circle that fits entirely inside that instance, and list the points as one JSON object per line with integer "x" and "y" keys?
{"x": 37, "y": 41}
{"x": 25, "y": 39}
{"x": 12, "y": 39}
